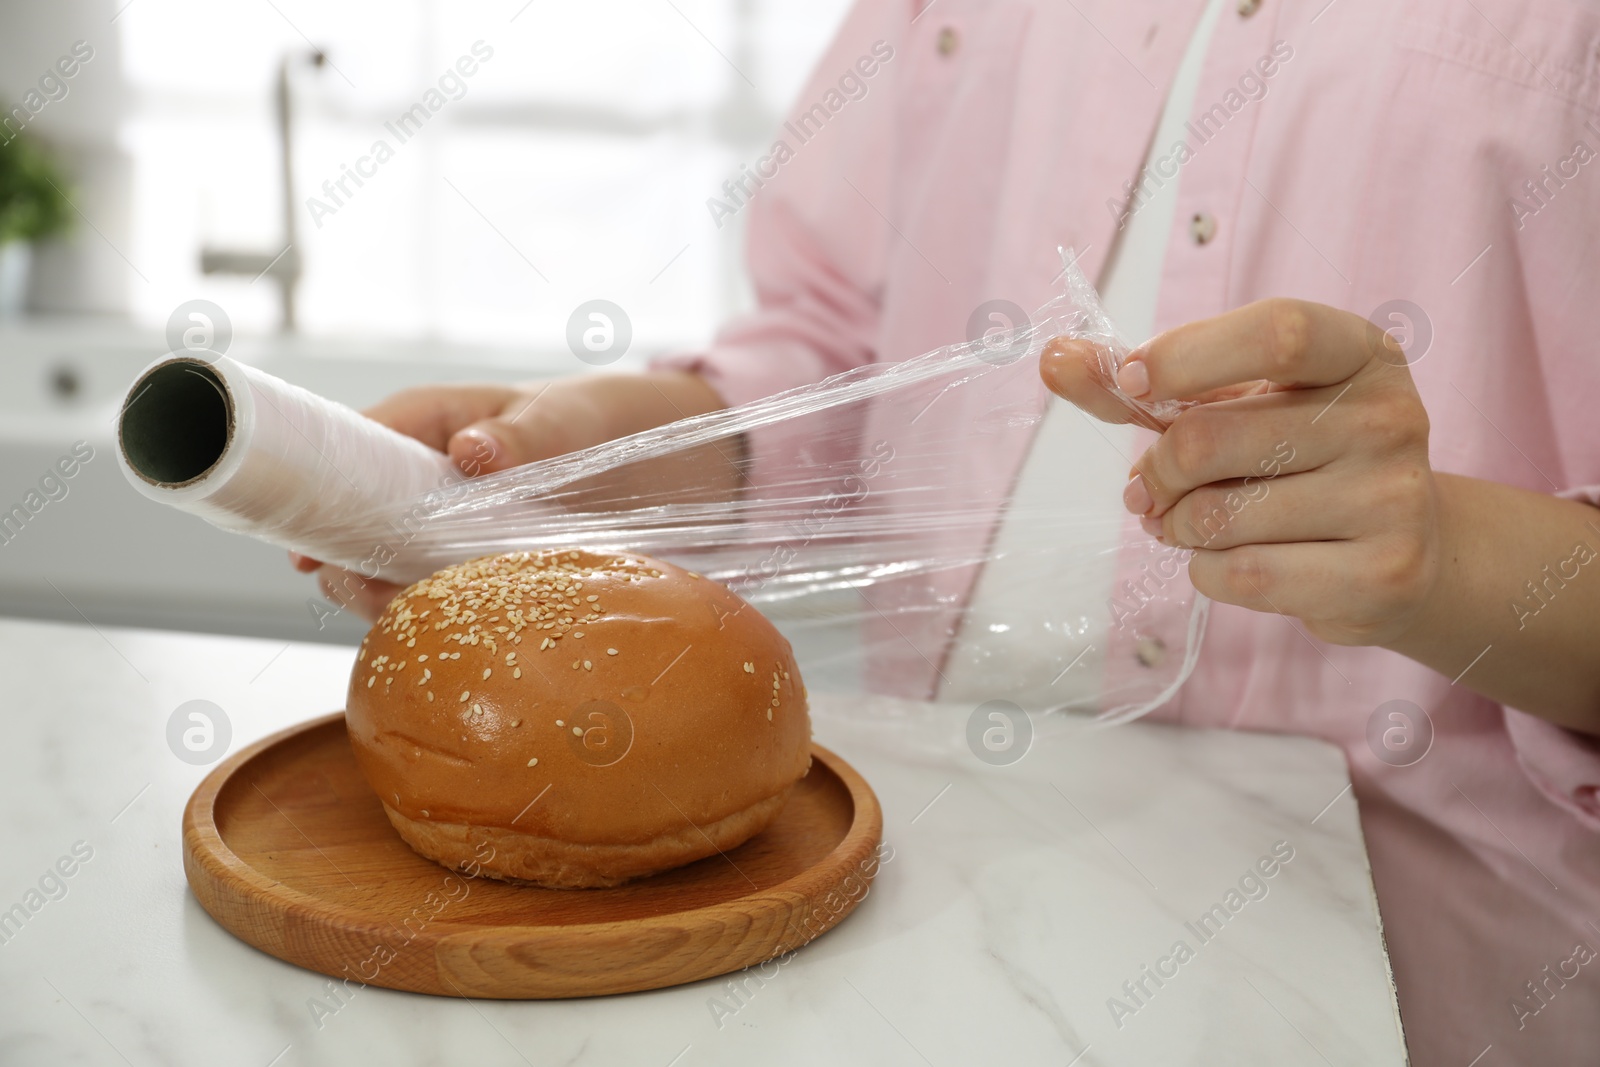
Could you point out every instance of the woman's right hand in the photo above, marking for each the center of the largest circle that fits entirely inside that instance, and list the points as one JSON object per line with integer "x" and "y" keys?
{"x": 490, "y": 428}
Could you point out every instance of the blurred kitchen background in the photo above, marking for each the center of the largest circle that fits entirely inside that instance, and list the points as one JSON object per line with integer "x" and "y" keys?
{"x": 575, "y": 165}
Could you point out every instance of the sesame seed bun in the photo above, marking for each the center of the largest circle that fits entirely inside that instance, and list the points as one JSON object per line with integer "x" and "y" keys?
{"x": 576, "y": 719}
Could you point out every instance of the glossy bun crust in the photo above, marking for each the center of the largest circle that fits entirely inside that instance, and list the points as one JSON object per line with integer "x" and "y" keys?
{"x": 576, "y": 719}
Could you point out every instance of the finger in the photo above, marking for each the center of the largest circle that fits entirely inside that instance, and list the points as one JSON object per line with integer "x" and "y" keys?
{"x": 1081, "y": 371}
{"x": 1294, "y": 508}
{"x": 1307, "y": 581}
{"x": 303, "y": 564}
{"x": 519, "y": 433}
{"x": 1077, "y": 371}
{"x": 366, "y": 597}
{"x": 1259, "y": 436}
{"x": 1344, "y": 591}
{"x": 1291, "y": 343}
{"x": 434, "y": 414}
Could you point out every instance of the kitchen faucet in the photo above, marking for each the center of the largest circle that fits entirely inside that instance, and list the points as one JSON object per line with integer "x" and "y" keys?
{"x": 283, "y": 266}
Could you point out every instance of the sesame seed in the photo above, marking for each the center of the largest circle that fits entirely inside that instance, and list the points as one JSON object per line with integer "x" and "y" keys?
{"x": 422, "y": 658}
{"x": 769, "y": 714}
{"x": 576, "y": 664}
{"x": 515, "y": 723}
{"x": 611, "y": 652}
{"x": 464, "y": 695}
{"x": 486, "y": 672}
{"x": 591, "y": 598}
{"x": 749, "y": 668}
{"x": 588, "y": 666}
{"x": 370, "y": 680}
{"x": 577, "y": 633}
{"x": 477, "y": 709}
{"x": 430, "y": 696}
{"x": 577, "y": 731}
{"x": 516, "y": 672}
{"x": 560, "y": 723}
{"x": 534, "y": 762}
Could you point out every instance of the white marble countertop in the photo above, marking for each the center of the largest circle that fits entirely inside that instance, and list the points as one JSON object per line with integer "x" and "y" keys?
{"x": 1018, "y": 900}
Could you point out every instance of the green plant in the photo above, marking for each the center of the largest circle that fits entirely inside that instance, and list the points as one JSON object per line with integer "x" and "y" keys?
{"x": 32, "y": 203}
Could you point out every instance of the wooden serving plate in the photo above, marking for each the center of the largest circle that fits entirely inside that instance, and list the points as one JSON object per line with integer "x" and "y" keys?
{"x": 286, "y": 846}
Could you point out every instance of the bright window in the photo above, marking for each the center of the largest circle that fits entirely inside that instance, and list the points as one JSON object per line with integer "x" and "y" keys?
{"x": 573, "y": 163}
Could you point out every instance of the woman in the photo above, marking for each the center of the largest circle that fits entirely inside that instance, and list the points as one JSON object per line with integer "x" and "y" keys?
{"x": 1253, "y": 179}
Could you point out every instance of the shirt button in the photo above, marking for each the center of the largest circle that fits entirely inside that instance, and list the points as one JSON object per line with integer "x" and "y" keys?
{"x": 1150, "y": 651}
{"x": 1202, "y": 228}
{"x": 1248, "y": 8}
{"x": 948, "y": 40}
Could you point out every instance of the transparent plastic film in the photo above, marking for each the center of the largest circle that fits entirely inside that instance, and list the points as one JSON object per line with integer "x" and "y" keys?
{"x": 914, "y": 527}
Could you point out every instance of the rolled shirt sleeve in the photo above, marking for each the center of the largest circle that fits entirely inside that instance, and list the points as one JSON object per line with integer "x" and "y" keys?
{"x": 1562, "y": 763}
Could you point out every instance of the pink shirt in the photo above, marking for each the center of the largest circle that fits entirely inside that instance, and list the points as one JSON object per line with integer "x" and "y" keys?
{"x": 1352, "y": 153}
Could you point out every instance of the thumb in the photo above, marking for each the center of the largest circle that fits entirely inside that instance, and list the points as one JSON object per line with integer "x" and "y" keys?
{"x": 1079, "y": 371}
{"x": 497, "y": 444}
{"x": 480, "y": 449}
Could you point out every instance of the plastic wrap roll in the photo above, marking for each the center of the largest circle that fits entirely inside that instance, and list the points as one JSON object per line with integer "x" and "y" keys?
{"x": 253, "y": 454}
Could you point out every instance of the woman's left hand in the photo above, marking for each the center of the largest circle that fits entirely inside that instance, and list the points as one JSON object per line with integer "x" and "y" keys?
{"x": 1301, "y": 478}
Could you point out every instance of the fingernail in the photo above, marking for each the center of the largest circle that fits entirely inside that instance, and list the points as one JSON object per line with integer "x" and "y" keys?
{"x": 1151, "y": 527}
{"x": 1134, "y": 378}
{"x": 1136, "y": 498}
{"x": 482, "y": 448}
